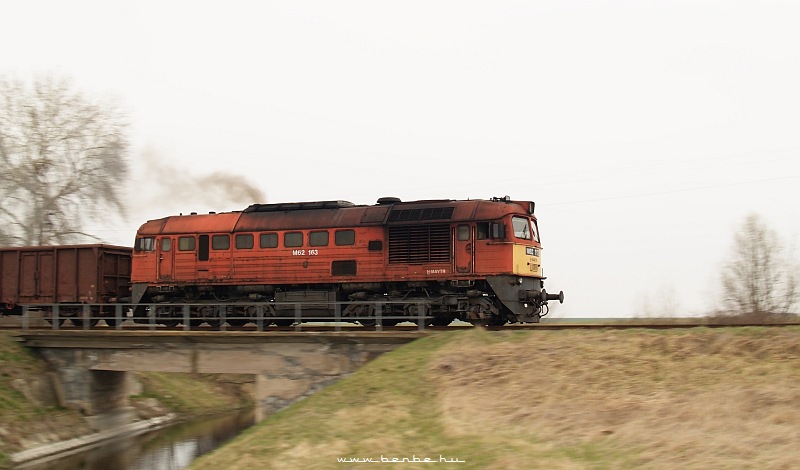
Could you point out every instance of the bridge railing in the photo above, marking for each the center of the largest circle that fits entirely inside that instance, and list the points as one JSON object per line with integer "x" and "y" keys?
{"x": 262, "y": 316}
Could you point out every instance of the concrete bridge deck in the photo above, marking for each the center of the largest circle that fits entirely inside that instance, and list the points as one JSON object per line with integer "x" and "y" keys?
{"x": 92, "y": 366}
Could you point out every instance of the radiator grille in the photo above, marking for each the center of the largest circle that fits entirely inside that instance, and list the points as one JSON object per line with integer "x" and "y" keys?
{"x": 429, "y": 213}
{"x": 419, "y": 244}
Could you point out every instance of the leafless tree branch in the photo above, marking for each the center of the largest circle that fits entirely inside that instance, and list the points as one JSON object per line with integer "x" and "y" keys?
{"x": 63, "y": 156}
{"x": 760, "y": 277}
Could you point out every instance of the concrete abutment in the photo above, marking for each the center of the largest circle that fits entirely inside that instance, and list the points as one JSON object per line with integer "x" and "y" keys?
{"x": 93, "y": 368}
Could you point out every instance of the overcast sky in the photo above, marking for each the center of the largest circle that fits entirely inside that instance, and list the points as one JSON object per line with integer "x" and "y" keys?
{"x": 645, "y": 131}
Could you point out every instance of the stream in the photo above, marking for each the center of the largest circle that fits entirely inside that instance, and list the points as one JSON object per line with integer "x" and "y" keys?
{"x": 171, "y": 448}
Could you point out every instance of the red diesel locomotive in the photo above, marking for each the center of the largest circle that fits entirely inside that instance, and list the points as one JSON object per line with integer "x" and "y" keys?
{"x": 475, "y": 260}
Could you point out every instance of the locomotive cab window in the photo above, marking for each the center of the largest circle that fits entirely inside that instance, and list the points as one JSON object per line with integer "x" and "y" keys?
{"x": 244, "y": 241}
{"x": 522, "y": 228}
{"x": 497, "y": 230}
{"x": 482, "y": 230}
{"x": 318, "y": 239}
{"x": 268, "y": 240}
{"x": 166, "y": 244}
{"x": 220, "y": 242}
{"x": 463, "y": 233}
{"x": 186, "y": 244}
{"x": 145, "y": 244}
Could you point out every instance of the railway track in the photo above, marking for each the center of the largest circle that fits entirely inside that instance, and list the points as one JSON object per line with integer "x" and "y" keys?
{"x": 351, "y": 328}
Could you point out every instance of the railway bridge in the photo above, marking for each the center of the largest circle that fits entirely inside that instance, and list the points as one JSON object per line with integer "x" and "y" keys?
{"x": 93, "y": 367}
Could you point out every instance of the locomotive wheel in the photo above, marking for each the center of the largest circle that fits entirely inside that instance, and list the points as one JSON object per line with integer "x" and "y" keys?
{"x": 496, "y": 320}
{"x": 59, "y": 322}
{"x": 442, "y": 321}
{"x": 490, "y": 313}
{"x": 237, "y": 322}
{"x": 170, "y": 323}
{"x": 79, "y": 322}
{"x": 267, "y": 321}
{"x": 194, "y": 323}
{"x": 284, "y": 322}
{"x": 414, "y": 310}
{"x": 112, "y": 322}
{"x": 267, "y": 317}
{"x": 363, "y": 313}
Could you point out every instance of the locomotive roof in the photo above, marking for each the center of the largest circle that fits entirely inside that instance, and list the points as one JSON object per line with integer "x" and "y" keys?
{"x": 332, "y": 214}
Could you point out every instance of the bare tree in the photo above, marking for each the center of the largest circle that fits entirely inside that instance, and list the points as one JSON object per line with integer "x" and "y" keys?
{"x": 663, "y": 303}
{"x": 63, "y": 161}
{"x": 760, "y": 277}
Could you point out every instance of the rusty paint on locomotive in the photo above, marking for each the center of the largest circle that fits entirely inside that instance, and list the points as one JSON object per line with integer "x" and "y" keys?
{"x": 297, "y": 246}
{"x": 312, "y": 264}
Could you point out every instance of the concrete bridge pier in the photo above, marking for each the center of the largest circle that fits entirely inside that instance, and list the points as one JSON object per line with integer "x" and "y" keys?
{"x": 101, "y": 395}
{"x": 93, "y": 367}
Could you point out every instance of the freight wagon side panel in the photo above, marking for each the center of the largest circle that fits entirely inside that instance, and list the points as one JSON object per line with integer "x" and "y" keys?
{"x": 36, "y": 276}
{"x": 92, "y": 274}
{"x": 9, "y": 276}
{"x": 70, "y": 274}
{"x": 116, "y": 273}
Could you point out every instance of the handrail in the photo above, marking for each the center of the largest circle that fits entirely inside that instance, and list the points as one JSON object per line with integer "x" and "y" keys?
{"x": 262, "y": 314}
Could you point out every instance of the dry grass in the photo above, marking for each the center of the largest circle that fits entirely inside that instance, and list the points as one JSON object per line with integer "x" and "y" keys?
{"x": 688, "y": 399}
{"x": 698, "y": 398}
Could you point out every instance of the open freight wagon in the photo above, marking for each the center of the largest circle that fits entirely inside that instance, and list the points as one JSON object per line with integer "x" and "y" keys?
{"x": 70, "y": 276}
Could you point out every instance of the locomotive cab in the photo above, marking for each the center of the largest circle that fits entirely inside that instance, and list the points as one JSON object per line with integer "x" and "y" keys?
{"x": 513, "y": 264}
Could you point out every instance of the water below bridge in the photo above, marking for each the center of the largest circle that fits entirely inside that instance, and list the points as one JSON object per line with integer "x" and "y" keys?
{"x": 171, "y": 448}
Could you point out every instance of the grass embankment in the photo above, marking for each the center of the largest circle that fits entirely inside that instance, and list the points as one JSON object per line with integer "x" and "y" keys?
{"x": 26, "y": 410}
{"x": 699, "y": 398}
{"x": 191, "y": 395}
{"x": 29, "y": 415}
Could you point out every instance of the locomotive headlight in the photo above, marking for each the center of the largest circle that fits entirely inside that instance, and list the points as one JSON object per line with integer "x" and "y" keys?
{"x": 519, "y": 281}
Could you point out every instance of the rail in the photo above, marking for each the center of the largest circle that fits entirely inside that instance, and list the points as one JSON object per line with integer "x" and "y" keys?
{"x": 300, "y": 316}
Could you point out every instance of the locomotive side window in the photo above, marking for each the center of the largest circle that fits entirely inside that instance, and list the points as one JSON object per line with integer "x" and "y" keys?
{"x": 345, "y": 237}
{"x": 186, "y": 244}
{"x": 463, "y": 233}
{"x": 293, "y": 239}
{"x": 145, "y": 244}
{"x": 268, "y": 240}
{"x": 498, "y": 230}
{"x": 482, "y": 231}
{"x": 318, "y": 239}
{"x": 244, "y": 241}
{"x": 220, "y": 242}
{"x": 166, "y": 244}
{"x": 522, "y": 228}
